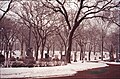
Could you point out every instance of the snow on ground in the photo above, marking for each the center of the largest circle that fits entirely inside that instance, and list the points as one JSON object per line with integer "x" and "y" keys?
{"x": 44, "y": 72}
{"x": 92, "y": 57}
{"x": 114, "y": 63}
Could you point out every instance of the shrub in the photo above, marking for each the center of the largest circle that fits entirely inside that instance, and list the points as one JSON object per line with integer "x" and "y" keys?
{"x": 18, "y": 64}
{"x": 30, "y": 65}
{"x": 2, "y": 58}
{"x": 29, "y": 62}
{"x": 12, "y": 58}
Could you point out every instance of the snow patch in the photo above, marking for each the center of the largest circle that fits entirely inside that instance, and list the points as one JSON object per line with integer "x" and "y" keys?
{"x": 114, "y": 63}
{"x": 44, "y": 72}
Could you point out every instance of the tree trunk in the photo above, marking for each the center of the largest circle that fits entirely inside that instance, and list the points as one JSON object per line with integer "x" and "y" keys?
{"x": 53, "y": 50}
{"x": 43, "y": 46}
{"x": 36, "y": 53}
{"x": 61, "y": 55}
{"x": 22, "y": 48}
{"x": 80, "y": 56}
{"x": 89, "y": 55}
{"x": 71, "y": 32}
{"x": 42, "y": 51}
{"x": 81, "y": 52}
{"x": 65, "y": 50}
{"x": 10, "y": 54}
{"x": 94, "y": 48}
{"x": 68, "y": 54}
{"x": 111, "y": 54}
{"x": 102, "y": 50}
{"x": 102, "y": 43}
{"x": 61, "y": 49}
{"x": 48, "y": 50}
{"x": 90, "y": 49}
{"x": 7, "y": 53}
{"x": 75, "y": 56}
{"x": 10, "y": 48}
{"x": 29, "y": 53}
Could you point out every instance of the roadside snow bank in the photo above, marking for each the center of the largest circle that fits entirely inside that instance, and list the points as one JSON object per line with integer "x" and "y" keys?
{"x": 113, "y": 63}
{"x": 44, "y": 72}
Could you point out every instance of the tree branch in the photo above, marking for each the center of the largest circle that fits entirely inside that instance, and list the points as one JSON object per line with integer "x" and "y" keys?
{"x": 78, "y": 13}
{"x": 8, "y": 8}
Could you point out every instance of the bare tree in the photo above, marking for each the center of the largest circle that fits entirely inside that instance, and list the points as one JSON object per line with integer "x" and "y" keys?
{"x": 8, "y": 33}
{"x": 80, "y": 39}
{"x": 93, "y": 38}
{"x": 104, "y": 26}
{"x": 85, "y": 9}
{"x": 40, "y": 22}
{"x": 22, "y": 37}
{"x": 110, "y": 45}
{"x": 61, "y": 33}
